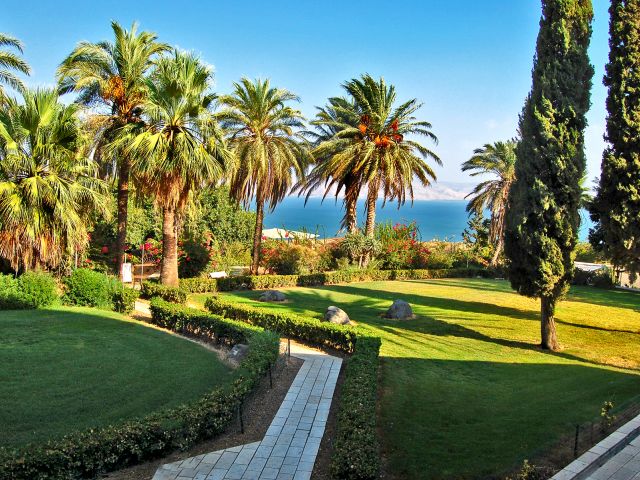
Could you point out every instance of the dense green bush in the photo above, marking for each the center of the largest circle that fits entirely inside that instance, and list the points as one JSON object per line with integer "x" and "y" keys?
{"x": 356, "y": 450}
{"x": 170, "y": 294}
{"x": 37, "y": 289}
{"x": 90, "y": 453}
{"x": 88, "y": 288}
{"x": 10, "y": 295}
{"x": 199, "y": 285}
{"x": 124, "y": 299}
{"x": 287, "y": 324}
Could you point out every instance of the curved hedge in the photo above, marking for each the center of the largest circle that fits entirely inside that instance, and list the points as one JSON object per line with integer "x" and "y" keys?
{"x": 287, "y": 324}
{"x": 90, "y": 453}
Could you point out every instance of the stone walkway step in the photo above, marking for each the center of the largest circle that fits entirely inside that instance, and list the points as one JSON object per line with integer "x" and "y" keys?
{"x": 290, "y": 446}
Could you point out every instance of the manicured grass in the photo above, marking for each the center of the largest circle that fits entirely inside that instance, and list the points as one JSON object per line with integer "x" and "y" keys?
{"x": 466, "y": 393}
{"x": 66, "y": 369}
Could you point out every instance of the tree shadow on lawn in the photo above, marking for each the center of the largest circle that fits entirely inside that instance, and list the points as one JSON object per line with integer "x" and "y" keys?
{"x": 440, "y": 303}
{"x": 606, "y": 297}
{"x": 446, "y": 419}
{"x": 484, "y": 284}
{"x": 369, "y": 300}
{"x": 600, "y": 329}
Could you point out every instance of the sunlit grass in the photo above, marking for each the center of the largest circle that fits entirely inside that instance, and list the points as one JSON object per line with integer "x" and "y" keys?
{"x": 465, "y": 391}
{"x": 69, "y": 369}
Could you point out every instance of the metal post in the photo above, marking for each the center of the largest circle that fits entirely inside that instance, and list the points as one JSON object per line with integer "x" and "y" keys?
{"x": 240, "y": 417}
{"x": 270, "y": 378}
{"x": 575, "y": 445}
{"x": 288, "y": 347}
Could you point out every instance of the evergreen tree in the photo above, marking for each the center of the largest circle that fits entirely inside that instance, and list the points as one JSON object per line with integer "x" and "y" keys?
{"x": 616, "y": 208}
{"x": 543, "y": 217}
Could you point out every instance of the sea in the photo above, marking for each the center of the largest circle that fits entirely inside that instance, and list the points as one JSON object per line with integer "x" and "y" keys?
{"x": 436, "y": 219}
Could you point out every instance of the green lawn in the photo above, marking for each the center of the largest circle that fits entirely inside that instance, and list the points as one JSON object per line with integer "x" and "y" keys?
{"x": 66, "y": 369}
{"x": 465, "y": 391}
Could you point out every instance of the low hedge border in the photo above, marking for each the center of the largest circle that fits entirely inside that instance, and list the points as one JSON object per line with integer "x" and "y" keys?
{"x": 90, "y": 453}
{"x": 170, "y": 294}
{"x": 356, "y": 451}
{"x": 287, "y": 324}
{"x": 260, "y": 282}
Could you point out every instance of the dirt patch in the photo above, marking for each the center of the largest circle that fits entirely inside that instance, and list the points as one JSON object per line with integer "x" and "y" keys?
{"x": 259, "y": 410}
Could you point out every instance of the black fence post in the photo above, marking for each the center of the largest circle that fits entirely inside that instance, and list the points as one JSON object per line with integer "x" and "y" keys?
{"x": 575, "y": 445}
{"x": 240, "y": 417}
{"x": 270, "y": 378}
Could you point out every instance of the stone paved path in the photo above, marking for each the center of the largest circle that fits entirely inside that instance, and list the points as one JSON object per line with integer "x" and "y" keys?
{"x": 290, "y": 446}
{"x": 625, "y": 465}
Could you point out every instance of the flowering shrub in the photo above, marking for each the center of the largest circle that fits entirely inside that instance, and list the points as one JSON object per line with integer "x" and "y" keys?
{"x": 401, "y": 247}
{"x": 283, "y": 258}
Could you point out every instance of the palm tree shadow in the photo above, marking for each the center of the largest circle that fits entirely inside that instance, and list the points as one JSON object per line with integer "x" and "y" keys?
{"x": 369, "y": 299}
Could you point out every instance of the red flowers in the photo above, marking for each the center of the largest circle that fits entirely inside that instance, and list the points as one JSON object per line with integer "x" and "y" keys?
{"x": 105, "y": 250}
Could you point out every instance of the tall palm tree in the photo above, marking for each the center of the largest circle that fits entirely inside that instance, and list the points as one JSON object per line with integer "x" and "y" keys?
{"x": 178, "y": 147}
{"x": 112, "y": 75}
{"x": 270, "y": 151}
{"x": 380, "y": 153}
{"x": 499, "y": 160}
{"x": 332, "y": 138}
{"x": 48, "y": 184}
{"x": 9, "y": 62}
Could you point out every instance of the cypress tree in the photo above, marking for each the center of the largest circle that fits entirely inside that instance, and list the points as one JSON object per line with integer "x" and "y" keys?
{"x": 616, "y": 208}
{"x": 543, "y": 217}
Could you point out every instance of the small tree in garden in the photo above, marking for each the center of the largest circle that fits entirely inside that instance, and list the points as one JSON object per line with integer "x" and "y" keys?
{"x": 270, "y": 152}
{"x": 616, "y": 208}
{"x": 499, "y": 160}
{"x": 179, "y": 148}
{"x": 543, "y": 217}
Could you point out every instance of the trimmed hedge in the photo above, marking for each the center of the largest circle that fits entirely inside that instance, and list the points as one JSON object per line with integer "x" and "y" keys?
{"x": 124, "y": 299}
{"x": 170, "y": 294}
{"x": 287, "y": 324}
{"x": 88, "y": 288}
{"x": 90, "y": 453}
{"x": 262, "y": 282}
{"x": 356, "y": 450}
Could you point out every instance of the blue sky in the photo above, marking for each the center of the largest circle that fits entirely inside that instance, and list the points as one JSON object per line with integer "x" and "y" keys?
{"x": 468, "y": 61}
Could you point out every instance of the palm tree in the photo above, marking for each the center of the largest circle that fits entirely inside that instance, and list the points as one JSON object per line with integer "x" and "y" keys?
{"x": 269, "y": 153}
{"x": 48, "y": 184}
{"x": 178, "y": 147}
{"x": 380, "y": 152}
{"x": 11, "y": 61}
{"x": 499, "y": 160}
{"x": 334, "y": 123}
{"x": 112, "y": 75}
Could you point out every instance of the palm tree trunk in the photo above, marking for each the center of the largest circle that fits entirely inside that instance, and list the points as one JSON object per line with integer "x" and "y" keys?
{"x": 548, "y": 324}
{"x": 123, "y": 205}
{"x": 372, "y": 197}
{"x": 351, "y": 203}
{"x": 169, "y": 267}
{"x": 497, "y": 252}
{"x": 257, "y": 237}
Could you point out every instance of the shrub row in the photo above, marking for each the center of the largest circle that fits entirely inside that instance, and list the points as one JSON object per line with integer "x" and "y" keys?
{"x": 170, "y": 294}
{"x": 261, "y": 282}
{"x": 356, "y": 450}
{"x": 89, "y": 288}
{"x": 90, "y": 453}
{"x": 287, "y": 324}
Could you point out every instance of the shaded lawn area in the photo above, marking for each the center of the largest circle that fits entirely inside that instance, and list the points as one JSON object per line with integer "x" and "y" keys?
{"x": 465, "y": 392}
{"x": 67, "y": 369}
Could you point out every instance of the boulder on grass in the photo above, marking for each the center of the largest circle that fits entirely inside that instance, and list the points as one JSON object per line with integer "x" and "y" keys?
{"x": 272, "y": 296}
{"x": 336, "y": 315}
{"x": 399, "y": 310}
{"x": 238, "y": 352}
